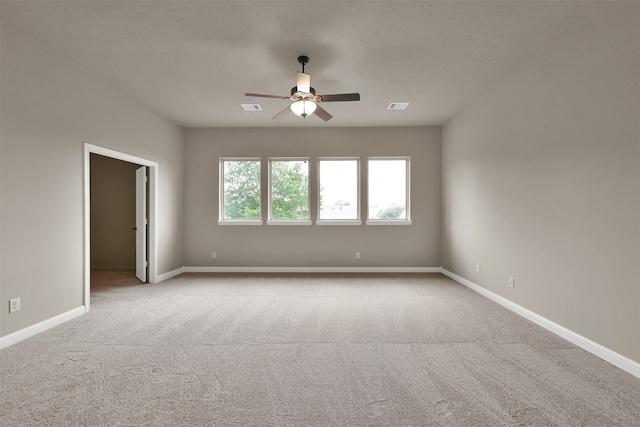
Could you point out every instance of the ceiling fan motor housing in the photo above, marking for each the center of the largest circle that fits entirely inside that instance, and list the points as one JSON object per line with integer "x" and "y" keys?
{"x": 294, "y": 91}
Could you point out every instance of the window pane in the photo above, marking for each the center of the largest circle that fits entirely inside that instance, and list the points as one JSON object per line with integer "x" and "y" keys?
{"x": 241, "y": 198}
{"x": 388, "y": 189}
{"x": 289, "y": 189}
{"x": 338, "y": 189}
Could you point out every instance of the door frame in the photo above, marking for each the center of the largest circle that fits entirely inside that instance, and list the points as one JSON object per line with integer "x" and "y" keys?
{"x": 152, "y": 231}
{"x": 142, "y": 266}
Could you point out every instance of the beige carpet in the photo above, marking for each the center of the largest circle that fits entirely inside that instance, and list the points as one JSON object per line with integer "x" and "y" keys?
{"x": 334, "y": 350}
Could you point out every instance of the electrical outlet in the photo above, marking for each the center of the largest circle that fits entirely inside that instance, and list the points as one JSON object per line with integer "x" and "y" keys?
{"x": 14, "y": 305}
{"x": 214, "y": 255}
{"x": 357, "y": 255}
{"x": 512, "y": 282}
{"x": 478, "y": 268}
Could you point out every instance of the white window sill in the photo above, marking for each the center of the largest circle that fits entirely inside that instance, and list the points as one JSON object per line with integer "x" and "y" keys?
{"x": 389, "y": 222}
{"x": 289, "y": 222}
{"x": 240, "y": 222}
{"x": 338, "y": 222}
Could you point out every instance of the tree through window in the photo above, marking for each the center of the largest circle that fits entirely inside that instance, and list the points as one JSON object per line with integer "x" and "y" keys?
{"x": 289, "y": 189}
{"x": 241, "y": 189}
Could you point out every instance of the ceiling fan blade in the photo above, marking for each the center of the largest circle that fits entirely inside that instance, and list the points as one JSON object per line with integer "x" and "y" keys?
{"x": 322, "y": 113}
{"x": 267, "y": 96}
{"x": 303, "y": 82}
{"x": 339, "y": 97}
{"x": 282, "y": 113}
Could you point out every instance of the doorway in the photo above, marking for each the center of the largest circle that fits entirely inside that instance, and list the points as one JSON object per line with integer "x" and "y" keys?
{"x": 119, "y": 246}
{"x": 118, "y": 241}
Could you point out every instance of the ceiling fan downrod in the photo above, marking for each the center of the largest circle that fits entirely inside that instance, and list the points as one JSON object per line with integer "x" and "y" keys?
{"x": 304, "y": 60}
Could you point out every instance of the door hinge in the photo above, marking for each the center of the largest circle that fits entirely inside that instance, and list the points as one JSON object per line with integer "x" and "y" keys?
{"x": 146, "y": 264}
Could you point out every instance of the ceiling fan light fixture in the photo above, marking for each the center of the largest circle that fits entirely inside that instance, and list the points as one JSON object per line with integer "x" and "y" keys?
{"x": 303, "y": 108}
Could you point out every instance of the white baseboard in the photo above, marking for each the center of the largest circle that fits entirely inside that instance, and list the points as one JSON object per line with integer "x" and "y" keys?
{"x": 32, "y": 330}
{"x": 169, "y": 274}
{"x": 592, "y": 347}
{"x": 312, "y": 269}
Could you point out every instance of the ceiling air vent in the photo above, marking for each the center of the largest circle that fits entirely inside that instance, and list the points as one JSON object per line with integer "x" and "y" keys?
{"x": 251, "y": 107}
{"x": 398, "y": 106}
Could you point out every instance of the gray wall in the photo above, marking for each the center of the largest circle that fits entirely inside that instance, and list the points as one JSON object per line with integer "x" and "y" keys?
{"x": 541, "y": 180}
{"x": 113, "y": 214}
{"x": 417, "y": 245}
{"x": 50, "y": 107}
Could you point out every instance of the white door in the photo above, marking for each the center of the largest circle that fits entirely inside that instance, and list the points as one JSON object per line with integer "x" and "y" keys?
{"x": 141, "y": 224}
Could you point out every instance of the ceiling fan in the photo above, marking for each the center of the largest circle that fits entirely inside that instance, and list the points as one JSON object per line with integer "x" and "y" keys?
{"x": 305, "y": 100}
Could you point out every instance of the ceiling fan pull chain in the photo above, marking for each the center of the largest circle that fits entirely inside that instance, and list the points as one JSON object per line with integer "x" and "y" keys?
{"x": 305, "y": 135}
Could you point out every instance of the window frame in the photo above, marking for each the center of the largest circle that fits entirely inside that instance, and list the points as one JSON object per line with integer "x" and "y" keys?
{"x": 405, "y": 221}
{"x": 358, "y": 219}
{"x": 270, "y": 219}
{"x": 221, "y": 220}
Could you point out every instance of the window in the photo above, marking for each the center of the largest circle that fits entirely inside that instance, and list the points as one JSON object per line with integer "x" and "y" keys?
{"x": 289, "y": 191}
{"x": 339, "y": 191}
{"x": 388, "y": 191}
{"x": 240, "y": 191}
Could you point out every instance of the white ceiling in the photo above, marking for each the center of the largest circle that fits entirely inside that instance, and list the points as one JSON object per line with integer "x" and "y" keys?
{"x": 192, "y": 61}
